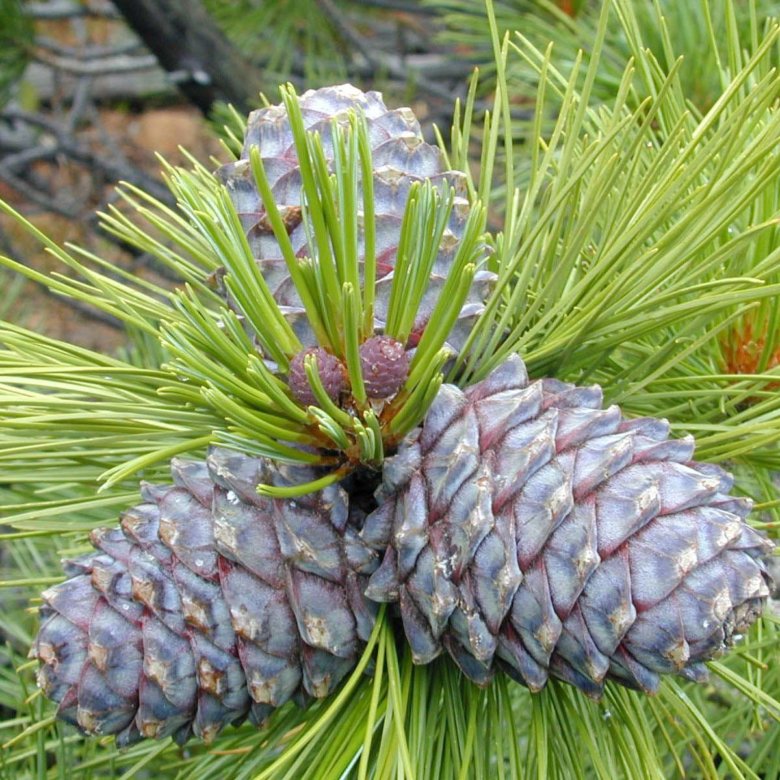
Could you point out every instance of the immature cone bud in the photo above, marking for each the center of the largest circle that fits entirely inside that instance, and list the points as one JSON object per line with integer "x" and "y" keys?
{"x": 385, "y": 366}
{"x": 330, "y": 369}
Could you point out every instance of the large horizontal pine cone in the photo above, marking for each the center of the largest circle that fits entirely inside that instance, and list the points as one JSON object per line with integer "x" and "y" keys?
{"x": 400, "y": 157}
{"x": 210, "y": 604}
{"x": 526, "y": 527}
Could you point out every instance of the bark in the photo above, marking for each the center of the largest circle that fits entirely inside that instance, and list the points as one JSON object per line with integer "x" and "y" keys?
{"x": 205, "y": 66}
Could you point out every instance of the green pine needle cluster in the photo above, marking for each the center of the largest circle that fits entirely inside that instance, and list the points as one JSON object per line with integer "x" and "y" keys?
{"x": 669, "y": 28}
{"x": 16, "y": 43}
{"x": 287, "y": 36}
{"x": 214, "y": 385}
{"x": 635, "y": 238}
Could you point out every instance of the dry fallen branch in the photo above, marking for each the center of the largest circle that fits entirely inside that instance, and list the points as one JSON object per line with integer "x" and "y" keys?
{"x": 105, "y": 65}
{"x": 114, "y": 168}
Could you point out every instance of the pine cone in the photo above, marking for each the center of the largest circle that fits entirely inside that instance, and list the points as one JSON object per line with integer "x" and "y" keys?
{"x": 523, "y": 526}
{"x": 400, "y": 157}
{"x": 210, "y": 604}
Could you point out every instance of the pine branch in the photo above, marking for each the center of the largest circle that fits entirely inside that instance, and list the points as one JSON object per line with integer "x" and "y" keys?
{"x": 187, "y": 43}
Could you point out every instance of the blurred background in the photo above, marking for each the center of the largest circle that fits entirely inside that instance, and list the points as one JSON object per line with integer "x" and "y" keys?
{"x": 91, "y": 91}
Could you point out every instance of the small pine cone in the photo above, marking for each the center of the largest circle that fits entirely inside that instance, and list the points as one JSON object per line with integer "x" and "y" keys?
{"x": 332, "y": 375}
{"x": 385, "y": 366}
{"x": 400, "y": 157}
{"x": 528, "y": 528}
{"x": 209, "y": 605}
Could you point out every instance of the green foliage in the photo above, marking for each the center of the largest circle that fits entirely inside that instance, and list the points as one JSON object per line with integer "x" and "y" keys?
{"x": 644, "y": 232}
{"x": 16, "y": 36}
{"x": 667, "y": 28}
{"x": 213, "y": 385}
{"x": 286, "y": 36}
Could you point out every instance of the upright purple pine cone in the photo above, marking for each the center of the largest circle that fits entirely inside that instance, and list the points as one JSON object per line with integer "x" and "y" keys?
{"x": 400, "y": 158}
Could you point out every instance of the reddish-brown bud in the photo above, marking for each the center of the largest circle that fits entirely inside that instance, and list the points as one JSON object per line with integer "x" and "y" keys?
{"x": 385, "y": 366}
{"x": 331, "y": 371}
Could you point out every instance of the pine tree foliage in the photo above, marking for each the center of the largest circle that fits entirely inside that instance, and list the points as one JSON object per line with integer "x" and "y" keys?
{"x": 644, "y": 235}
{"x": 16, "y": 38}
{"x": 288, "y": 36}
{"x": 668, "y": 29}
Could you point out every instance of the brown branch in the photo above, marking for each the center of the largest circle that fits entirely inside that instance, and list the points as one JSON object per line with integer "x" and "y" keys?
{"x": 87, "y": 311}
{"x": 188, "y": 43}
{"x": 34, "y": 195}
{"x": 10, "y": 249}
{"x": 120, "y": 63}
{"x": 86, "y": 52}
{"x": 114, "y": 169}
